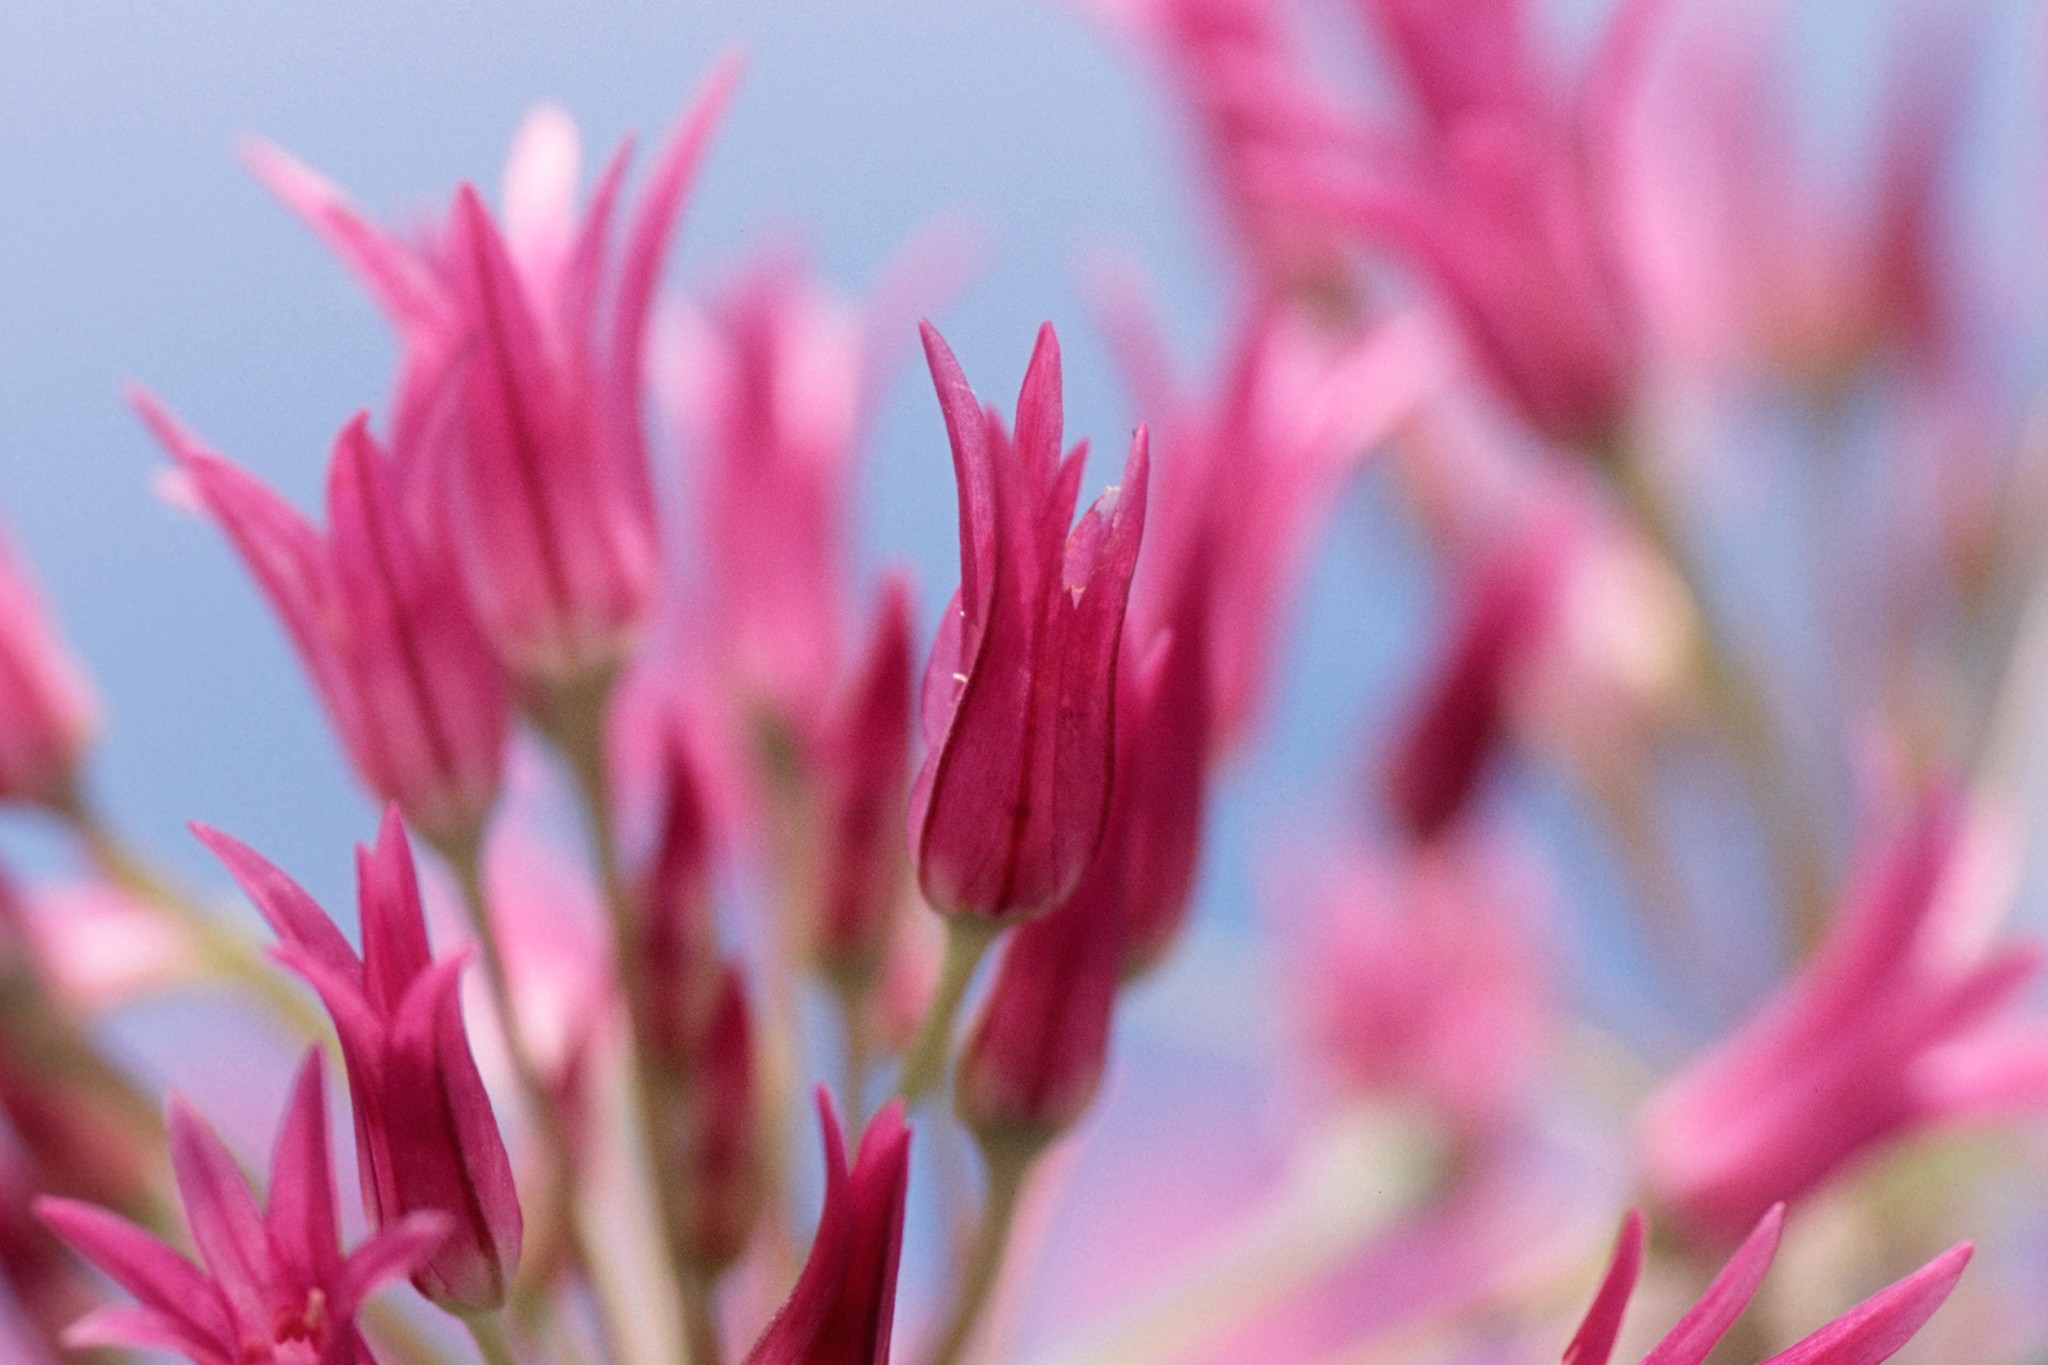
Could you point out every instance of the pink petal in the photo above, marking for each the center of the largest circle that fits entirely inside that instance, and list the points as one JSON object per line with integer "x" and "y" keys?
{"x": 1709, "y": 1320}
{"x": 1873, "y": 1330}
{"x": 293, "y": 915}
{"x": 1594, "y": 1343}
{"x": 301, "y": 1216}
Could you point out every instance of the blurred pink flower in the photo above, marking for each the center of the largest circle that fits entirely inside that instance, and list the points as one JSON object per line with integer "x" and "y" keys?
{"x": 697, "y": 1034}
{"x": 844, "y": 1304}
{"x": 1019, "y": 693}
{"x": 535, "y": 334}
{"x": 47, "y": 712}
{"x": 1425, "y": 977}
{"x": 1752, "y": 258}
{"x": 1250, "y": 464}
{"x": 412, "y": 689}
{"x": 99, "y": 947}
{"x": 863, "y": 779}
{"x": 1032, "y": 1060}
{"x": 1450, "y": 738}
{"x": 425, "y": 1134}
{"x": 1510, "y": 200}
{"x": 1862, "y": 1047}
{"x": 774, "y": 383}
{"x": 1254, "y": 106}
{"x": 1867, "y": 1334}
{"x": 275, "y": 1288}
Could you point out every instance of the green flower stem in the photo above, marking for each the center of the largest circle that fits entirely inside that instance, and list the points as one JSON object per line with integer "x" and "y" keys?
{"x": 967, "y": 941}
{"x": 1007, "y": 1166}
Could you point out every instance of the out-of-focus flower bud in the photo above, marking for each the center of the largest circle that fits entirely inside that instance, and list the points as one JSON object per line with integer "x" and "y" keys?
{"x": 1453, "y": 734}
{"x": 1019, "y": 695}
{"x": 862, "y": 875}
{"x": 1423, "y": 977}
{"x": 697, "y": 1040}
{"x": 47, "y": 712}
{"x": 419, "y": 702}
{"x": 1033, "y": 1059}
{"x": 426, "y": 1138}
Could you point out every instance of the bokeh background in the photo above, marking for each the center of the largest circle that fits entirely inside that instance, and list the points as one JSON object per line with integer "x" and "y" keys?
{"x": 134, "y": 247}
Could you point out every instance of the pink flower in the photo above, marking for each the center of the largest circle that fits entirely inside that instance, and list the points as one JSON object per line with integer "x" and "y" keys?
{"x": 1861, "y": 1047}
{"x": 274, "y": 1288}
{"x": 373, "y": 608}
{"x": 1457, "y": 726}
{"x": 776, "y": 381}
{"x": 1249, "y": 95}
{"x": 47, "y": 711}
{"x": 844, "y": 1303}
{"x": 536, "y": 333}
{"x": 1019, "y": 694}
{"x": 1033, "y": 1059}
{"x": 1755, "y": 258}
{"x": 1511, "y": 202}
{"x": 698, "y": 1037}
{"x": 1865, "y": 1335}
{"x": 864, "y": 773}
{"x": 426, "y": 1138}
{"x": 1250, "y": 463}
{"x": 1424, "y": 977}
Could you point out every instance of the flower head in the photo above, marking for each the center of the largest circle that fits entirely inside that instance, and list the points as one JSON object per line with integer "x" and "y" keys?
{"x": 1858, "y": 1049}
{"x": 426, "y": 1138}
{"x": 525, "y": 343}
{"x": 419, "y": 701}
{"x": 844, "y": 1302}
{"x": 1019, "y": 694}
{"x": 272, "y": 1287}
{"x": 1510, "y": 201}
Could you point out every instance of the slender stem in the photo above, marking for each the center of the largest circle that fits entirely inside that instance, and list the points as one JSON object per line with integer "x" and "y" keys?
{"x": 1007, "y": 1165}
{"x": 465, "y": 861}
{"x": 572, "y": 718}
{"x": 397, "y": 1337}
{"x": 487, "y": 1330}
{"x": 700, "y": 1320}
{"x": 222, "y": 949}
{"x": 967, "y": 939}
{"x": 1745, "y": 712}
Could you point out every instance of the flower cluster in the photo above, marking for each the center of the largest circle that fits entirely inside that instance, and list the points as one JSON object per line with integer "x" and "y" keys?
{"x": 1629, "y": 900}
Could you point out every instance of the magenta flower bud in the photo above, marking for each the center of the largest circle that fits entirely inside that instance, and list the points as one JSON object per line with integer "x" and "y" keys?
{"x": 1867, "y": 1334}
{"x": 698, "y": 1039}
{"x": 844, "y": 1303}
{"x": 1034, "y": 1057}
{"x": 1453, "y": 736}
{"x": 1019, "y": 694}
{"x": 1147, "y": 865}
{"x": 1901, "y": 1019}
{"x": 272, "y": 1286}
{"x": 550, "y": 508}
{"x": 863, "y": 779}
{"x": 773, "y": 384}
{"x": 419, "y": 702}
{"x": 426, "y": 1139}
{"x": 47, "y": 711}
